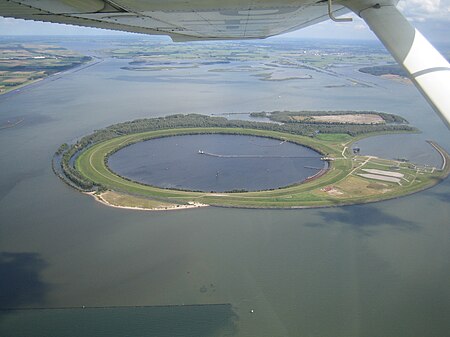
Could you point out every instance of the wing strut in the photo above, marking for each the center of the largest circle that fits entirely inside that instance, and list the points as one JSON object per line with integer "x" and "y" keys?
{"x": 331, "y": 15}
{"x": 428, "y": 69}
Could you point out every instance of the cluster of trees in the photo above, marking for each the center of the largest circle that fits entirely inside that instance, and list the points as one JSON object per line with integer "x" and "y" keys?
{"x": 199, "y": 121}
{"x": 307, "y": 129}
{"x": 8, "y": 84}
{"x": 62, "y": 148}
{"x": 286, "y": 116}
{"x": 389, "y": 69}
{"x": 71, "y": 172}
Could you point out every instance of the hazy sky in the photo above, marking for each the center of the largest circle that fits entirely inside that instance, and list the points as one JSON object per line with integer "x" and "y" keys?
{"x": 431, "y": 17}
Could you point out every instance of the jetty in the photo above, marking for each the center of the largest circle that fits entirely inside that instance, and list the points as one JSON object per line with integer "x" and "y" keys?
{"x": 248, "y": 155}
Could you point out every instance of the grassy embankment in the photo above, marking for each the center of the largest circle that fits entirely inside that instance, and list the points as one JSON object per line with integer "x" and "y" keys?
{"x": 340, "y": 185}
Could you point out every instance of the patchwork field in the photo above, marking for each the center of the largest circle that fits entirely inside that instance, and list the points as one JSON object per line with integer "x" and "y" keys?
{"x": 21, "y": 64}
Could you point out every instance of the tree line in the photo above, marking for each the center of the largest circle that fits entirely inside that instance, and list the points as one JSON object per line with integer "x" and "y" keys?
{"x": 285, "y": 117}
{"x": 199, "y": 121}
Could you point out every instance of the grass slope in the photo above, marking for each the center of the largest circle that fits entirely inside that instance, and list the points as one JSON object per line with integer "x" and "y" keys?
{"x": 340, "y": 185}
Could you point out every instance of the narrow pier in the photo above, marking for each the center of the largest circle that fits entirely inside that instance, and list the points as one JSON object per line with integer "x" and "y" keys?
{"x": 9, "y": 124}
{"x": 248, "y": 155}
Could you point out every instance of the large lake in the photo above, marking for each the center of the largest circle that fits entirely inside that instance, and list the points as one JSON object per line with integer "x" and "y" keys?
{"x": 228, "y": 162}
{"x": 375, "y": 270}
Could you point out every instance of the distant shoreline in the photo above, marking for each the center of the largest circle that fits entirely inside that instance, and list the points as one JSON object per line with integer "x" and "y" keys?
{"x": 43, "y": 80}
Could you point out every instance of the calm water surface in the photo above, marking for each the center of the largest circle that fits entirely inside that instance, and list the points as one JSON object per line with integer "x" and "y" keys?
{"x": 236, "y": 163}
{"x": 407, "y": 146}
{"x": 376, "y": 270}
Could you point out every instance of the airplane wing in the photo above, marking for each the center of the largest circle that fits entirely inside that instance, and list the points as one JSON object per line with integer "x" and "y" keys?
{"x": 181, "y": 20}
{"x": 250, "y": 19}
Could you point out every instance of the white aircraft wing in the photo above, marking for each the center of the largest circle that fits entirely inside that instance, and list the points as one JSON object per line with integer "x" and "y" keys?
{"x": 185, "y": 20}
{"x": 182, "y": 20}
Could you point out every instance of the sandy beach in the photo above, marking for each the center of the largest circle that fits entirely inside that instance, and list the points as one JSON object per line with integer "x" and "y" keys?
{"x": 99, "y": 198}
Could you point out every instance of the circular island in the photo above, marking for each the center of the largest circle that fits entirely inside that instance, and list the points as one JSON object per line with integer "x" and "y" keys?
{"x": 348, "y": 178}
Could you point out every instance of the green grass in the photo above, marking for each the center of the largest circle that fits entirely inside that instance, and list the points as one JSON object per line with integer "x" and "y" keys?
{"x": 334, "y": 137}
{"x": 91, "y": 163}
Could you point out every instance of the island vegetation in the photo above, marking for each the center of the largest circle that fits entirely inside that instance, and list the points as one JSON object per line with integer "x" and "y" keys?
{"x": 387, "y": 69}
{"x": 350, "y": 178}
{"x": 356, "y": 122}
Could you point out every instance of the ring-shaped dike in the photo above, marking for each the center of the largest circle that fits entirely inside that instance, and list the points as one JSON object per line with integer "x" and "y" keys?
{"x": 92, "y": 163}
